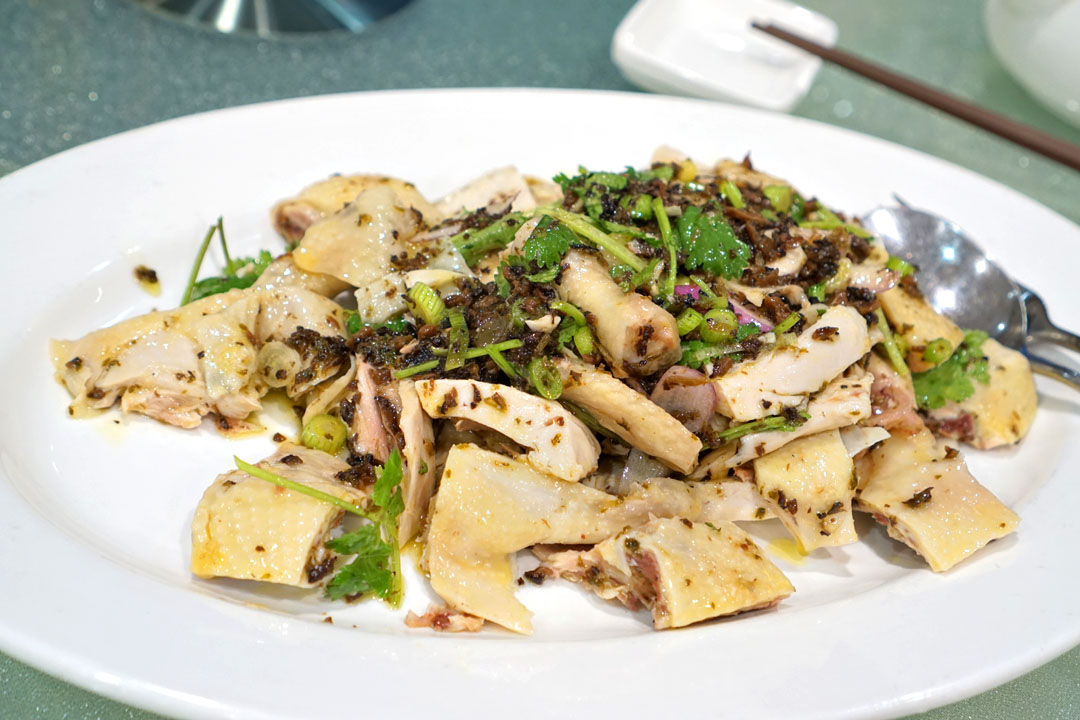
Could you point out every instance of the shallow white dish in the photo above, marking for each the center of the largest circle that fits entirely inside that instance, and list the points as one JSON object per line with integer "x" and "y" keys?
{"x": 706, "y": 48}
{"x": 94, "y": 515}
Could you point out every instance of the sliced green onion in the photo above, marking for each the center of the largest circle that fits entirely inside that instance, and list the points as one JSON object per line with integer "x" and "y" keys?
{"x": 568, "y": 309}
{"x": 581, "y": 225}
{"x": 787, "y": 323}
{"x": 830, "y": 221}
{"x": 718, "y": 326}
{"x": 261, "y": 474}
{"x": 457, "y": 340}
{"x": 613, "y": 227}
{"x": 688, "y": 321}
{"x": 774, "y": 422}
{"x": 198, "y": 264}
{"x": 583, "y": 341}
{"x": 798, "y": 207}
{"x": 503, "y": 364}
{"x": 733, "y": 194}
{"x": 427, "y": 304}
{"x": 475, "y": 244}
{"x": 937, "y": 351}
{"x": 353, "y": 323}
{"x": 899, "y": 265}
{"x": 704, "y": 286}
{"x": 642, "y": 209}
{"x": 545, "y": 377}
{"x": 324, "y": 432}
{"x": 662, "y": 220}
{"x": 817, "y": 291}
{"x": 416, "y": 369}
{"x": 470, "y": 354}
{"x": 892, "y": 351}
{"x": 779, "y": 196}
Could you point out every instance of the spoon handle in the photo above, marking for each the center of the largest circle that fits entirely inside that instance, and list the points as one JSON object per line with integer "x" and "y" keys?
{"x": 1051, "y": 369}
{"x": 1039, "y": 326}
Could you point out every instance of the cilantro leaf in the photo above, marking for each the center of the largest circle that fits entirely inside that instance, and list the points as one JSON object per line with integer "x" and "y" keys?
{"x": 746, "y": 330}
{"x": 710, "y": 243}
{"x": 377, "y": 565}
{"x": 370, "y": 569}
{"x": 951, "y": 380}
{"x": 548, "y": 243}
{"x": 387, "y": 491}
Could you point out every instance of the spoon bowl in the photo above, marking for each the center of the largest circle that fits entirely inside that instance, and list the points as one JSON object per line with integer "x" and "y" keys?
{"x": 962, "y": 283}
{"x": 955, "y": 275}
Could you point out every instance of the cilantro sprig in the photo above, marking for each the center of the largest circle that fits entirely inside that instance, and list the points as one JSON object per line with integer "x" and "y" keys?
{"x": 951, "y": 380}
{"x": 376, "y": 567}
{"x": 710, "y": 244}
{"x": 239, "y": 273}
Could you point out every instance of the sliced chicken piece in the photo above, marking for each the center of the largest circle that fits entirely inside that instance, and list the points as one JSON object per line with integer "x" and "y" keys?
{"x": 629, "y": 415}
{"x": 490, "y": 506}
{"x": 158, "y": 349}
{"x": 497, "y": 187}
{"x": 179, "y": 365}
{"x": 738, "y": 172}
{"x": 997, "y": 413}
{"x": 228, "y": 348}
{"x": 925, "y": 496}
{"x": 557, "y": 442}
{"x": 544, "y": 191}
{"x": 686, "y": 572}
{"x": 250, "y": 529}
{"x": 809, "y": 485}
{"x": 911, "y": 317}
{"x": 637, "y": 336}
{"x": 327, "y": 397}
{"x": 687, "y": 395}
{"x": 892, "y": 399}
{"x": 790, "y": 262}
{"x": 294, "y": 216}
{"x": 283, "y": 273}
{"x": 356, "y": 244}
{"x": 857, "y": 438}
{"x": 783, "y": 376}
{"x": 872, "y": 276}
{"x": 843, "y": 402}
{"x": 375, "y": 413}
{"x": 419, "y": 454}
{"x": 444, "y": 619}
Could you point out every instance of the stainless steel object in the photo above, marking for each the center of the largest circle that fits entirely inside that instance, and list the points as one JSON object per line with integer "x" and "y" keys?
{"x": 268, "y": 18}
{"x": 959, "y": 281}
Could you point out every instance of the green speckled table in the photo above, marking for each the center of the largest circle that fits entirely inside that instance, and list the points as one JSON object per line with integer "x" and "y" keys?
{"x": 76, "y": 70}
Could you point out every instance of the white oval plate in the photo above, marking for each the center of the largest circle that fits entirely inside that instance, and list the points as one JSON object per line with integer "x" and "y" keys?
{"x": 94, "y": 515}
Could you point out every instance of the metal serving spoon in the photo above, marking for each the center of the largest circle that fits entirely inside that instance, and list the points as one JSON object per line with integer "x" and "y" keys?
{"x": 959, "y": 281}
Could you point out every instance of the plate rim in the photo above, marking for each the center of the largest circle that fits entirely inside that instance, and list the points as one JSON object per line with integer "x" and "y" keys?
{"x": 69, "y": 666}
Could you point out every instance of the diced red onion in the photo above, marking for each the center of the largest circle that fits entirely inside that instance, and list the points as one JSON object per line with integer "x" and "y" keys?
{"x": 746, "y": 316}
{"x": 692, "y": 290}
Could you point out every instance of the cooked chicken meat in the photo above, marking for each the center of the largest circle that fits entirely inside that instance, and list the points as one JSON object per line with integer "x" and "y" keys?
{"x": 294, "y": 216}
{"x": 999, "y": 412}
{"x": 809, "y": 484}
{"x": 926, "y": 498}
{"x": 783, "y": 376}
{"x": 630, "y": 415}
{"x": 177, "y": 366}
{"x": 843, "y": 402}
{"x": 686, "y": 572}
{"x": 637, "y": 336}
{"x": 419, "y": 452}
{"x": 249, "y": 529}
{"x": 558, "y": 443}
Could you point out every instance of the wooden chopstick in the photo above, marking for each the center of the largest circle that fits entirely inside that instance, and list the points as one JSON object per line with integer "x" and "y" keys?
{"x": 1052, "y": 147}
